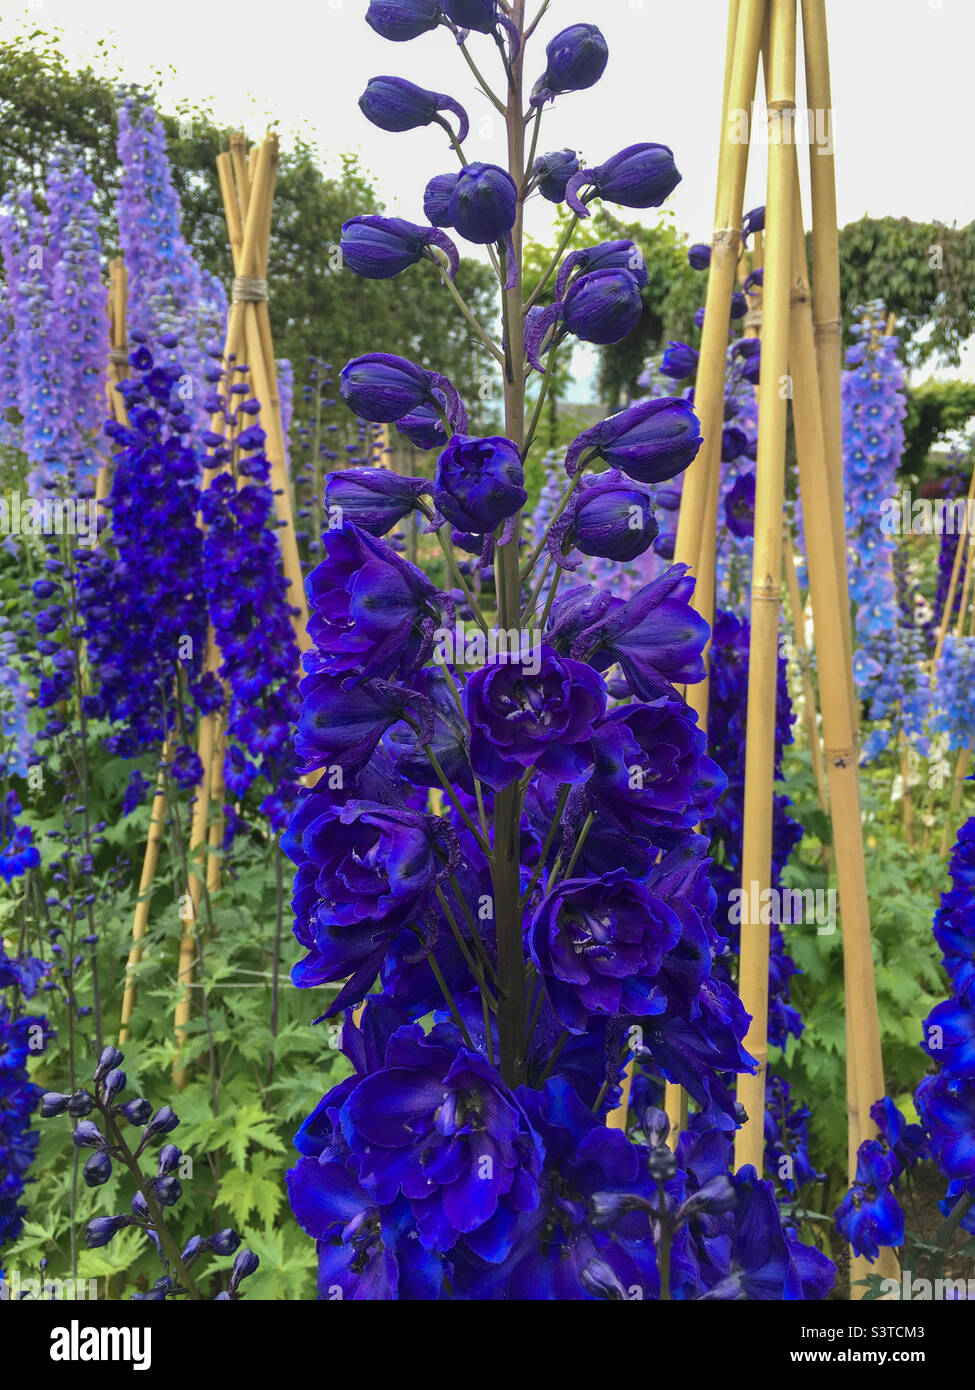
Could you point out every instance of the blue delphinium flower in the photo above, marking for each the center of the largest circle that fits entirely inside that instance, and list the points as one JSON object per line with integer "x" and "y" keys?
{"x": 22, "y": 1036}
{"x": 140, "y": 596}
{"x": 170, "y": 295}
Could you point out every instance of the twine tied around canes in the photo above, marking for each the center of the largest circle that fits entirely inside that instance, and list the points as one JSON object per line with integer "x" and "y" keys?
{"x": 248, "y": 289}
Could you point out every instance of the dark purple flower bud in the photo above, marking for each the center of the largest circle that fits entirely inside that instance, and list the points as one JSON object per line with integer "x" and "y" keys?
{"x": 377, "y": 248}
{"x": 734, "y": 442}
{"x": 641, "y": 176}
{"x": 97, "y": 1170}
{"x": 552, "y": 172}
{"x": 140, "y": 1206}
{"x": 244, "y": 1265}
{"x": 608, "y": 255}
{"x": 699, "y": 256}
{"x": 225, "y": 1242}
{"x": 194, "y": 1247}
{"x": 479, "y": 15}
{"x": 752, "y": 367}
{"x": 606, "y": 1209}
{"x": 168, "y": 1190}
{"x": 484, "y": 203}
{"x": 109, "y": 1059}
{"x": 479, "y": 482}
{"x": 87, "y": 1135}
{"x": 739, "y": 305}
{"x": 739, "y": 506}
{"x": 716, "y": 1196}
{"x": 754, "y": 221}
{"x": 374, "y": 499}
{"x": 577, "y": 59}
{"x": 53, "y": 1103}
{"x": 424, "y": 428}
{"x": 679, "y": 361}
{"x": 80, "y": 1104}
{"x": 699, "y": 317}
{"x": 396, "y": 105}
{"x": 382, "y": 387}
{"x": 599, "y": 1278}
{"x": 755, "y": 280}
{"x": 103, "y": 1229}
{"x": 402, "y": 20}
{"x": 650, "y": 441}
{"x": 114, "y": 1084}
{"x": 656, "y": 1126}
{"x": 614, "y": 520}
{"x": 168, "y": 1159}
{"x": 747, "y": 348}
{"x": 603, "y": 307}
{"x": 436, "y": 199}
{"x": 162, "y": 1122}
{"x": 137, "y": 1112}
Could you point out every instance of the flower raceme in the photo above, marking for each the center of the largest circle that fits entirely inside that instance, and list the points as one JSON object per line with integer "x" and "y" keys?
{"x": 497, "y": 864}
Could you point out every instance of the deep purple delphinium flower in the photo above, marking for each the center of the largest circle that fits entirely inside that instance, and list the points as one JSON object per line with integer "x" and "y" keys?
{"x": 144, "y": 623}
{"x": 870, "y": 1215}
{"x": 543, "y": 717}
{"x": 479, "y": 482}
{"x": 438, "y": 1125}
{"x": 598, "y": 943}
{"x": 372, "y": 613}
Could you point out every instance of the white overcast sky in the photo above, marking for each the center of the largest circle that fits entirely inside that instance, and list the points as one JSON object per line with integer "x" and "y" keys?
{"x": 902, "y": 80}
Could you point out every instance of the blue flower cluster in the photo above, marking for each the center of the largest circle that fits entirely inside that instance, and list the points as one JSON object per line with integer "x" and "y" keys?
{"x": 887, "y": 651}
{"x": 170, "y": 294}
{"x": 22, "y": 1036}
{"x": 501, "y": 833}
{"x": 871, "y": 1215}
{"x": 728, "y": 701}
{"x": 954, "y": 675}
{"x": 141, "y": 597}
{"x": 57, "y": 343}
{"x": 248, "y": 602}
{"x": 17, "y": 744}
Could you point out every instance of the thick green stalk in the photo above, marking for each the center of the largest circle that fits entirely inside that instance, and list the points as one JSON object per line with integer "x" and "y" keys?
{"x": 512, "y": 1003}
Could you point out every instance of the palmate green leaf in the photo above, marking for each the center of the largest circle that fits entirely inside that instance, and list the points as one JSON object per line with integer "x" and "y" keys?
{"x": 257, "y": 1187}
{"x": 252, "y": 1125}
{"x": 288, "y": 1264}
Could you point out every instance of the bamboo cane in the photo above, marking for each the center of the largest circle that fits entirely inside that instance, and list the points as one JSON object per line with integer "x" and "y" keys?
{"x": 963, "y": 762}
{"x": 826, "y": 298}
{"x": 839, "y": 733}
{"x": 740, "y": 72}
{"x": 160, "y": 806}
{"x": 118, "y": 356}
{"x": 809, "y": 705}
{"x": 247, "y": 191}
{"x": 767, "y": 571}
{"x": 949, "y": 603}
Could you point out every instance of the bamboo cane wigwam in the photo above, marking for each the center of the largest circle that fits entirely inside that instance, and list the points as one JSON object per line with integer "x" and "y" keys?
{"x": 247, "y": 190}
